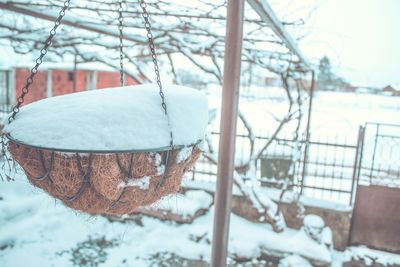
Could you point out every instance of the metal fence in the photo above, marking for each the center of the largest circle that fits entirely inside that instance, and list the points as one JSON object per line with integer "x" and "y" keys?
{"x": 380, "y": 164}
{"x": 329, "y": 167}
{"x": 333, "y": 167}
{"x": 329, "y": 171}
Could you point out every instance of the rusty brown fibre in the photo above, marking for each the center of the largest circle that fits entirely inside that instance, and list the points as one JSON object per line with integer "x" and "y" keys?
{"x": 99, "y": 183}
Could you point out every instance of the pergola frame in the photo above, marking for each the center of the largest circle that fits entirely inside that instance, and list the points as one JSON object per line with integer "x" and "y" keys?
{"x": 230, "y": 100}
{"x": 229, "y": 114}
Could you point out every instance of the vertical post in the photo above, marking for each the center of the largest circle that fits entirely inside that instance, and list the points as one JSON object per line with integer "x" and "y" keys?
{"x": 49, "y": 91}
{"x": 360, "y": 160}
{"x": 91, "y": 80}
{"x": 12, "y": 83}
{"x": 356, "y": 163}
{"x": 7, "y": 103}
{"x": 308, "y": 130}
{"x": 357, "y": 178}
{"x": 75, "y": 71}
{"x": 373, "y": 155}
{"x": 230, "y": 99}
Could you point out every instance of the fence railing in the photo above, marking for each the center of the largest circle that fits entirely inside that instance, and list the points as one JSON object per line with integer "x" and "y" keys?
{"x": 381, "y": 155}
{"x": 329, "y": 172}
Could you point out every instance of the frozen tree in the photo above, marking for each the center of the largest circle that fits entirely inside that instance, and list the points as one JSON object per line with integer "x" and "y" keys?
{"x": 325, "y": 69}
{"x": 327, "y": 79}
{"x": 194, "y": 33}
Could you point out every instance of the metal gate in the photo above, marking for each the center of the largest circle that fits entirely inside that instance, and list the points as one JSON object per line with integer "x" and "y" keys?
{"x": 380, "y": 164}
{"x": 376, "y": 220}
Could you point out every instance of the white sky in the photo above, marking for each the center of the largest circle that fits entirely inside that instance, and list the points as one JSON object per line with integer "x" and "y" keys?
{"x": 361, "y": 37}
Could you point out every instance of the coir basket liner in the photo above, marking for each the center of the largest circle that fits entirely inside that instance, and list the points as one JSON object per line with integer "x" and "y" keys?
{"x": 107, "y": 184}
{"x": 108, "y": 151}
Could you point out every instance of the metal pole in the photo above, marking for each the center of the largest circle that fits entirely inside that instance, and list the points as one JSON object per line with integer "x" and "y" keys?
{"x": 230, "y": 99}
{"x": 356, "y": 162}
{"x": 373, "y": 155}
{"x": 308, "y": 131}
{"x": 360, "y": 161}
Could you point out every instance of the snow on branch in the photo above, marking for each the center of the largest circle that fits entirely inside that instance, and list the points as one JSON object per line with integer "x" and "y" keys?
{"x": 196, "y": 32}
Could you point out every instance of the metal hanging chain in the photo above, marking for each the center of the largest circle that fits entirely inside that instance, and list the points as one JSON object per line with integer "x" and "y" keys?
{"x": 121, "y": 44}
{"x": 147, "y": 25}
{"x": 39, "y": 61}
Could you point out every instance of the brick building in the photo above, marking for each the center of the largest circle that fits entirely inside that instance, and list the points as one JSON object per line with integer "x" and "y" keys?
{"x": 390, "y": 90}
{"x": 54, "y": 80}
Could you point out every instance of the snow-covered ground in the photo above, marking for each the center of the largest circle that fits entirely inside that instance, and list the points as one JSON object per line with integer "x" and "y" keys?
{"x": 336, "y": 115}
{"x": 37, "y": 231}
{"x": 335, "y": 119}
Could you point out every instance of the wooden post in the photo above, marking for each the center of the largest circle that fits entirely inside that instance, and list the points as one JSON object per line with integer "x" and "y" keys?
{"x": 230, "y": 100}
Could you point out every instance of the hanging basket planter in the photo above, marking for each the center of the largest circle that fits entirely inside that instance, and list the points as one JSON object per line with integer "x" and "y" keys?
{"x": 107, "y": 151}
{"x": 113, "y": 150}
{"x": 102, "y": 183}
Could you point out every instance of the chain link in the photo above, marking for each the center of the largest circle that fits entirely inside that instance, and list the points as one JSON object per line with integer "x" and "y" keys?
{"x": 121, "y": 44}
{"x": 149, "y": 35}
{"x": 39, "y": 60}
{"x": 48, "y": 42}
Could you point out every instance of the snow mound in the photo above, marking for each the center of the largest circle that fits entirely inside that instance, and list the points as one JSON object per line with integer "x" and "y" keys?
{"x": 294, "y": 261}
{"x": 371, "y": 257}
{"x": 313, "y": 221}
{"x": 121, "y": 118}
{"x": 185, "y": 205}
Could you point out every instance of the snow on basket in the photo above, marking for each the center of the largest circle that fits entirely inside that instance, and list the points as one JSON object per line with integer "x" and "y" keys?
{"x": 108, "y": 151}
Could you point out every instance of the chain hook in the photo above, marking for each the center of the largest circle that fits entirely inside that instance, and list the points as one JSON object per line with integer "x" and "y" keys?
{"x": 150, "y": 39}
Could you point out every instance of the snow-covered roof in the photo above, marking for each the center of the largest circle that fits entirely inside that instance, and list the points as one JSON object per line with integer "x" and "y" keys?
{"x": 10, "y": 60}
{"x": 93, "y": 66}
{"x": 8, "y": 57}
